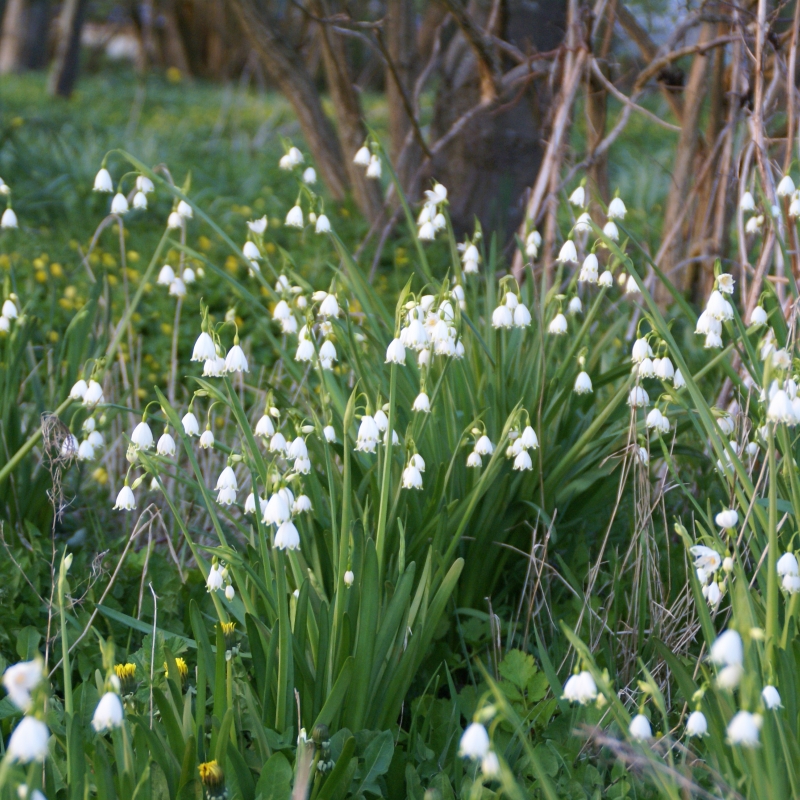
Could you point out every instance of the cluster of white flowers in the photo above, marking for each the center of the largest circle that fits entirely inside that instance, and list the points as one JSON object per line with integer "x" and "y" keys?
{"x": 364, "y": 157}
{"x": 521, "y": 444}
{"x": 29, "y": 740}
{"x": 511, "y": 313}
{"x": 475, "y": 745}
{"x": 431, "y": 220}
{"x": 219, "y": 580}
{"x": 412, "y": 474}
{"x": 177, "y": 283}
{"x": 747, "y": 205}
{"x": 718, "y": 310}
{"x": 470, "y": 255}
{"x": 91, "y": 393}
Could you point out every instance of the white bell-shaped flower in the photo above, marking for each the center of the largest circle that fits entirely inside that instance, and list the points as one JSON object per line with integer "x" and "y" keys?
{"x": 422, "y": 403}
{"x": 20, "y": 680}
{"x": 125, "y": 499}
{"x": 144, "y": 184}
{"x": 165, "y": 275}
{"x": 583, "y": 383}
{"x": 184, "y": 210}
{"x": 236, "y": 361}
{"x": 638, "y": 398}
{"x": 190, "y": 425}
{"x": 412, "y": 478}
{"x": 727, "y": 649}
{"x": 558, "y": 325}
{"x": 727, "y": 519}
{"x": 746, "y": 203}
{"x": 368, "y": 435}
{"x": 28, "y": 741}
{"x": 696, "y": 725}
{"x": 580, "y": 688}
{"x": 142, "y": 436}
{"x": 606, "y": 279}
{"x": 207, "y": 439}
{"x": 78, "y": 390}
{"x": 785, "y": 187}
{"x": 166, "y": 445}
{"x": 771, "y": 698}
{"x": 568, "y": 253}
{"x": 94, "y": 394}
{"x": 103, "y": 182}
{"x": 374, "y": 167}
{"x": 108, "y": 714}
{"x": 787, "y": 564}
{"x": 744, "y": 729}
{"x": 294, "y": 219}
{"x": 639, "y": 729}
{"x": 578, "y": 197}
{"x": 287, "y": 537}
{"x": 616, "y": 209}
{"x": 323, "y": 224}
{"x": 204, "y": 348}
{"x": 474, "y": 742}
{"x": 362, "y": 157}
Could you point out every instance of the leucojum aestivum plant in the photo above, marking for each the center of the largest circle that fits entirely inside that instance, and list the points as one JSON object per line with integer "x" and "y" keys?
{"x": 370, "y": 459}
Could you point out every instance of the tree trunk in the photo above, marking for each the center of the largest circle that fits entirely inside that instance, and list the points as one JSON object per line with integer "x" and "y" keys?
{"x": 402, "y": 49}
{"x": 684, "y": 159}
{"x": 287, "y": 70}
{"x": 64, "y": 72}
{"x": 352, "y": 131}
{"x": 36, "y": 53}
{"x": 12, "y": 41}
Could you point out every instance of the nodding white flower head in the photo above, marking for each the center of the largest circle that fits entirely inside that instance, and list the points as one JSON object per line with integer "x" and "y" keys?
{"x": 309, "y": 176}
{"x": 165, "y": 275}
{"x": 528, "y": 438}
{"x": 207, "y": 439}
{"x": 611, "y": 230}
{"x": 436, "y": 195}
{"x": 678, "y": 381}
{"x": 227, "y": 480}
{"x": 70, "y": 446}
{"x": 727, "y": 649}
{"x": 422, "y": 403}
{"x": 185, "y": 210}
{"x": 362, "y": 157}
{"x": 144, "y": 184}
{"x": 294, "y": 219}
{"x": 578, "y": 197}
{"x": 166, "y": 445}
{"x": 706, "y": 558}
{"x": 785, "y": 187}
{"x": 794, "y": 207}
{"x": 606, "y": 279}
{"x": 771, "y": 698}
{"x": 746, "y": 203}
{"x": 250, "y": 504}
{"x": 287, "y": 537}
{"x": 301, "y": 505}
{"x": 589, "y": 268}
{"x": 744, "y": 728}
{"x": 474, "y": 742}
{"x": 728, "y": 519}
{"x": 250, "y": 251}
{"x": 297, "y": 448}
{"x": 329, "y": 433}
{"x": 103, "y": 182}
{"x": 568, "y": 252}
{"x": 230, "y": 592}
{"x": 582, "y": 225}
{"x": 631, "y": 287}
{"x": 583, "y": 383}
{"x": 474, "y": 460}
{"x": 427, "y": 233}
{"x": 787, "y": 564}
{"x": 791, "y": 583}
{"x": 725, "y": 283}
{"x": 471, "y": 258}
{"x": 381, "y": 420}
{"x": 782, "y": 359}
{"x": 264, "y": 426}
{"x": 204, "y": 348}
{"x": 119, "y": 205}
{"x": 575, "y": 306}
{"x": 20, "y": 680}
{"x": 523, "y": 461}
{"x": 522, "y": 317}
{"x": 484, "y": 446}
{"x": 412, "y": 478}
{"x": 329, "y": 307}
{"x": 753, "y": 225}
{"x": 664, "y": 369}
{"x": 374, "y": 167}
{"x": 580, "y": 688}
{"x": 125, "y": 499}
{"x": 142, "y": 436}
{"x": 236, "y": 361}
{"x": 278, "y": 509}
{"x": 502, "y": 317}
{"x": 140, "y": 201}
{"x": 395, "y": 352}
{"x": 305, "y": 350}
{"x": 640, "y": 351}
{"x": 226, "y": 496}
{"x": 638, "y": 398}
{"x": 215, "y": 580}
{"x": 177, "y": 288}
{"x": 258, "y": 225}
{"x": 188, "y": 275}
{"x": 696, "y": 725}
{"x": 654, "y": 420}
{"x": 190, "y": 425}
{"x": 108, "y": 714}
{"x": 323, "y": 224}
{"x": 349, "y": 578}
{"x": 78, "y": 390}
{"x": 368, "y": 434}
{"x": 327, "y": 351}
{"x": 94, "y": 394}
{"x": 490, "y": 765}
{"x": 646, "y": 369}
{"x": 780, "y": 409}
{"x": 29, "y": 741}
{"x": 639, "y": 729}
{"x": 616, "y": 209}
{"x": 558, "y": 325}
{"x": 718, "y": 307}
{"x": 277, "y": 444}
